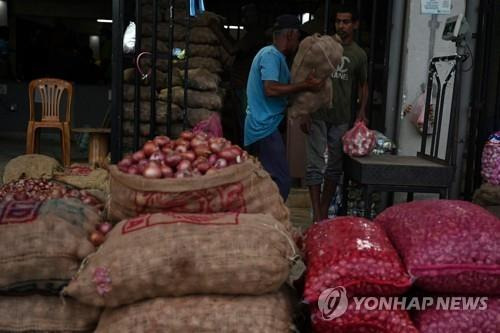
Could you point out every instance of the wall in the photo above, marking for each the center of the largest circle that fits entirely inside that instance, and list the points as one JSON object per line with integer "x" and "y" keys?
{"x": 90, "y": 104}
{"x": 420, "y": 45}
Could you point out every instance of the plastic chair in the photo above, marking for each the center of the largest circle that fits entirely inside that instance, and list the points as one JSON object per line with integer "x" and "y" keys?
{"x": 51, "y": 93}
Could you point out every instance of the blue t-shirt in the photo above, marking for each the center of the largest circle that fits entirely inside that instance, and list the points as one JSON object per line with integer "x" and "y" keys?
{"x": 265, "y": 113}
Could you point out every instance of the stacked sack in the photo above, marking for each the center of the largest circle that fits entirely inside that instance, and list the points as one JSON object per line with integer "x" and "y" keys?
{"x": 451, "y": 248}
{"x": 191, "y": 254}
{"x": 208, "y": 59}
{"x": 352, "y": 256}
{"x": 42, "y": 245}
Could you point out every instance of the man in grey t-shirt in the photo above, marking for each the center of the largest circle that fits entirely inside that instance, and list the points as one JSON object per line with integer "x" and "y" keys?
{"x": 325, "y": 128}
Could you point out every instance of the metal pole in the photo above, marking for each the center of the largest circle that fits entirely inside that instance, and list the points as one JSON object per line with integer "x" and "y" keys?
{"x": 117, "y": 83}
{"x": 326, "y": 31}
{"x": 170, "y": 63}
{"x": 137, "y": 81}
{"x": 152, "y": 120}
{"x": 186, "y": 67}
{"x": 371, "y": 57}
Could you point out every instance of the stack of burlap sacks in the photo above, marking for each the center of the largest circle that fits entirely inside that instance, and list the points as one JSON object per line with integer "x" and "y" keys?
{"x": 202, "y": 254}
{"x": 207, "y": 61}
{"x": 42, "y": 245}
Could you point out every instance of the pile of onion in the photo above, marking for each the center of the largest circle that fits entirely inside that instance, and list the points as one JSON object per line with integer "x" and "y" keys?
{"x": 188, "y": 156}
{"x": 40, "y": 189}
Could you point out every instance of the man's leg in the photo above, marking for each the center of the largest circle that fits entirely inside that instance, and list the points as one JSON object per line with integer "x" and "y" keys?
{"x": 315, "y": 163}
{"x": 272, "y": 154}
{"x": 334, "y": 168}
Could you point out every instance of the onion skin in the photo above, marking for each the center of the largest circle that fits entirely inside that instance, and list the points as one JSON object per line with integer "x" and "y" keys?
{"x": 220, "y": 163}
{"x": 152, "y": 171}
{"x": 149, "y": 148}
{"x": 157, "y": 156}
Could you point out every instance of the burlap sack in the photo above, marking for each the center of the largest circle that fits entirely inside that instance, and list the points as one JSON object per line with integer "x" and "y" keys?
{"x": 145, "y": 112}
{"x": 321, "y": 54}
{"x": 244, "y": 188}
{"x": 271, "y": 313}
{"x": 30, "y": 166}
{"x": 202, "y": 61}
{"x": 144, "y": 129}
{"x": 197, "y": 115}
{"x": 161, "y": 78}
{"x": 196, "y": 99}
{"x": 37, "y": 313}
{"x": 200, "y": 79}
{"x": 129, "y": 93}
{"x": 43, "y": 243}
{"x": 487, "y": 195}
{"x": 97, "y": 179}
{"x": 163, "y": 31}
{"x": 169, "y": 254}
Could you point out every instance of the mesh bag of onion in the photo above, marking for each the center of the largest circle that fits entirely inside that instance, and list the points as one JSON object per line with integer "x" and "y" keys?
{"x": 354, "y": 253}
{"x": 180, "y": 254}
{"x": 37, "y": 313}
{"x": 43, "y": 243}
{"x": 359, "y": 140}
{"x": 490, "y": 160}
{"x": 449, "y": 246}
{"x": 199, "y": 175}
{"x": 270, "y": 313}
{"x": 363, "y": 320}
{"x": 481, "y": 320}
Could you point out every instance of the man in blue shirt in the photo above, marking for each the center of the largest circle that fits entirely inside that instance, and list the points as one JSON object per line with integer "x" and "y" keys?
{"x": 267, "y": 88}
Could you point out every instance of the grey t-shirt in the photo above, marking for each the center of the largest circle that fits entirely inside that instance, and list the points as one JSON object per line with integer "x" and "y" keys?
{"x": 352, "y": 70}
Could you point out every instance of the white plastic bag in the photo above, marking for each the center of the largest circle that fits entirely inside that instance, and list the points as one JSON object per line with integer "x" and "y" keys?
{"x": 129, "y": 38}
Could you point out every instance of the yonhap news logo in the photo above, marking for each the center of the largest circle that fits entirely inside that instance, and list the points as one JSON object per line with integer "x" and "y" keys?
{"x": 333, "y": 303}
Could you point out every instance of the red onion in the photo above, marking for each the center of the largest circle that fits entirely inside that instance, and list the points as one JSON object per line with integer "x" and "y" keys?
{"x": 125, "y": 163}
{"x": 195, "y": 142}
{"x": 187, "y": 135}
{"x": 188, "y": 155}
{"x": 104, "y": 228}
{"x": 167, "y": 150}
{"x": 198, "y": 160}
{"x": 203, "y": 167}
{"x": 56, "y": 193}
{"x": 96, "y": 238}
{"x": 211, "y": 171}
{"x": 228, "y": 154}
{"x": 133, "y": 170}
{"x": 157, "y": 156}
{"x": 173, "y": 159}
{"x": 220, "y": 163}
{"x": 152, "y": 171}
{"x": 141, "y": 165}
{"x": 166, "y": 171}
{"x": 149, "y": 147}
{"x": 183, "y": 174}
{"x": 202, "y": 150}
{"x": 216, "y": 147}
{"x": 201, "y": 136}
{"x": 182, "y": 142}
{"x": 181, "y": 149}
{"x": 139, "y": 155}
{"x": 212, "y": 158}
{"x": 184, "y": 165}
{"x": 161, "y": 140}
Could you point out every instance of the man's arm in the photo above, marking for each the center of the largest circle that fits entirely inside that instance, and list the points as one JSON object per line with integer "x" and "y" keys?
{"x": 363, "y": 101}
{"x": 274, "y": 88}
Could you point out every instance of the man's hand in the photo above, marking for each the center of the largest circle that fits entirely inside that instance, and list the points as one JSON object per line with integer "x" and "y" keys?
{"x": 305, "y": 123}
{"x": 312, "y": 83}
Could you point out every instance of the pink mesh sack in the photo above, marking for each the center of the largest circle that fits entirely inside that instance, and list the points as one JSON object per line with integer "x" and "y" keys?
{"x": 212, "y": 126}
{"x": 354, "y": 253}
{"x": 490, "y": 162}
{"x": 449, "y": 246}
{"x": 484, "y": 318}
{"x": 362, "y": 320}
{"x": 359, "y": 140}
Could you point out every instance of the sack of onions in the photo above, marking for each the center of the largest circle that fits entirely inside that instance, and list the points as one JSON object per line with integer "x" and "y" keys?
{"x": 43, "y": 243}
{"x": 193, "y": 174}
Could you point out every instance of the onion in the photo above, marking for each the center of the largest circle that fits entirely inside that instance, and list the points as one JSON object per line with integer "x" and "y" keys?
{"x": 198, "y": 160}
{"x": 141, "y": 165}
{"x": 149, "y": 147}
{"x": 74, "y": 193}
{"x": 166, "y": 171}
{"x": 157, "y": 156}
{"x": 228, "y": 154}
{"x": 139, "y": 155}
{"x": 181, "y": 149}
{"x": 187, "y": 135}
{"x": 56, "y": 193}
{"x": 184, "y": 165}
{"x": 167, "y": 150}
{"x": 182, "y": 142}
{"x": 216, "y": 147}
{"x": 152, "y": 170}
{"x": 188, "y": 155}
{"x": 212, "y": 158}
{"x": 133, "y": 170}
{"x": 183, "y": 174}
{"x": 161, "y": 140}
{"x": 125, "y": 163}
{"x": 220, "y": 163}
{"x": 195, "y": 142}
{"x": 203, "y": 167}
{"x": 202, "y": 150}
{"x": 21, "y": 196}
{"x": 201, "y": 136}
{"x": 104, "y": 228}
{"x": 173, "y": 159}
{"x": 211, "y": 171}
{"x": 96, "y": 238}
